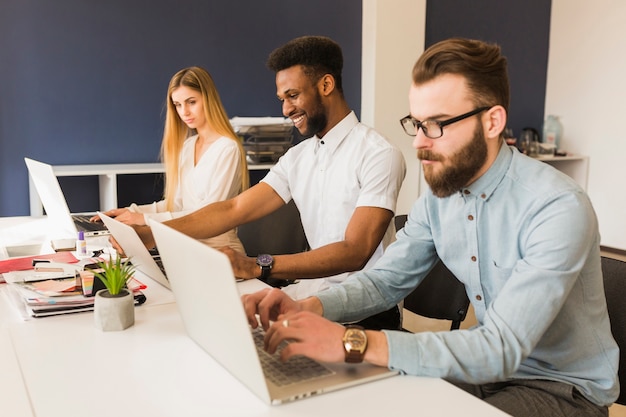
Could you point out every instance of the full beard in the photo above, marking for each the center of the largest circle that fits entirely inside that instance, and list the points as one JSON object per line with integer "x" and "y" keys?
{"x": 457, "y": 170}
{"x": 316, "y": 120}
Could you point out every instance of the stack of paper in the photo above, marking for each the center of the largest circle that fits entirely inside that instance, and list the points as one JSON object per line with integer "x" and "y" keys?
{"x": 37, "y": 293}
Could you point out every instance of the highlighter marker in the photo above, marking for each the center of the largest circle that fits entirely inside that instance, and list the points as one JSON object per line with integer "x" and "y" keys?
{"x": 81, "y": 244}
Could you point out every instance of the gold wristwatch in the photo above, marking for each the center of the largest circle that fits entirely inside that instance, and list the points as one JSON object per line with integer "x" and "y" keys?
{"x": 354, "y": 343}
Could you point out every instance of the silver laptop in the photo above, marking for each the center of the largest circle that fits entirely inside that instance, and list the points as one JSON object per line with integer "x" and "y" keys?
{"x": 145, "y": 262}
{"x": 54, "y": 202}
{"x": 208, "y": 300}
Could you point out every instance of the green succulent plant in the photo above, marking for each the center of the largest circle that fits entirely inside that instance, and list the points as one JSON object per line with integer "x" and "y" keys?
{"x": 115, "y": 274}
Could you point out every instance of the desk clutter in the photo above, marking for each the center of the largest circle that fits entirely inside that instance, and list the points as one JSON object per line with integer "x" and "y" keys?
{"x": 52, "y": 288}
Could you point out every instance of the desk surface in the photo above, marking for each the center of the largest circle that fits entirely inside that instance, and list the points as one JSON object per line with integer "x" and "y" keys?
{"x": 64, "y": 366}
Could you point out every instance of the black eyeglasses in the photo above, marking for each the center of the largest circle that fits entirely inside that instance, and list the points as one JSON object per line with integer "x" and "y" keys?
{"x": 432, "y": 128}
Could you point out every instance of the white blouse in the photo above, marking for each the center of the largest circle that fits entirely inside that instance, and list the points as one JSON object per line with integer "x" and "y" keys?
{"x": 216, "y": 177}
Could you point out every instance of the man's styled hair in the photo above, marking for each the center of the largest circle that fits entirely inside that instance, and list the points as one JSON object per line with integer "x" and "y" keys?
{"x": 318, "y": 55}
{"x": 480, "y": 63}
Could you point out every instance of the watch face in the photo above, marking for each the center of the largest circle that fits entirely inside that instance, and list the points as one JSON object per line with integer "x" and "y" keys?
{"x": 354, "y": 339}
{"x": 264, "y": 260}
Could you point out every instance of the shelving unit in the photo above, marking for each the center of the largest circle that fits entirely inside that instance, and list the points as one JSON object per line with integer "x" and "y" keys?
{"x": 576, "y": 166}
{"x": 107, "y": 180}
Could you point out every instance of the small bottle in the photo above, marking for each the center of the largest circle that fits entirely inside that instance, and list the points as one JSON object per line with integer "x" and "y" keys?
{"x": 81, "y": 244}
{"x": 553, "y": 131}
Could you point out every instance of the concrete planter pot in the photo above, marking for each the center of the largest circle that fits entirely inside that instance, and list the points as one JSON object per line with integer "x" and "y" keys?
{"x": 114, "y": 312}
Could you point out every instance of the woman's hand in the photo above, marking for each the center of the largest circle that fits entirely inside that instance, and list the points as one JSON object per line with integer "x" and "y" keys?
{"x": 123, "y": 215}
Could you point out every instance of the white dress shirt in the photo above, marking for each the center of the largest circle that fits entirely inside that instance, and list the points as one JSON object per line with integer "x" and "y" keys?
{"x": 351, "y": 166}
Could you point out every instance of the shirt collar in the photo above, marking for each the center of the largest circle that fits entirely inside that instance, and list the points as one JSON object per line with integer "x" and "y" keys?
{"x": 488, "y": 182}
{"x": 337, "y": 134}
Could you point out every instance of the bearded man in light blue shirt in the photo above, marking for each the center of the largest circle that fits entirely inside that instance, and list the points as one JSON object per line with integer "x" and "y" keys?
{"x": 521, "y": 236}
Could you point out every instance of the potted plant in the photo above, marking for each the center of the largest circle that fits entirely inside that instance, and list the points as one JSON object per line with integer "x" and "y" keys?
{"x": 114, "y": 307}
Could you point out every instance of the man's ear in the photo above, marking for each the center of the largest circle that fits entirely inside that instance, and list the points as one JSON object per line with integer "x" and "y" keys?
{"x": 495, "y": 122}
{"x": 326, "y": 84}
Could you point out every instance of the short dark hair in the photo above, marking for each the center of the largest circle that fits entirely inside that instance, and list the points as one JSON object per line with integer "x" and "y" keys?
{"x": 480, "y": 63}
{"x": 318, "y": 55}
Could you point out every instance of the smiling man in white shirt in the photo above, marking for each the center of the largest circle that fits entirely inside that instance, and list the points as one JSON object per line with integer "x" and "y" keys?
{"x": 344, "y": 180}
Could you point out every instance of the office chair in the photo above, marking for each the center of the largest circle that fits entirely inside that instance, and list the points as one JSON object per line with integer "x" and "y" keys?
{"x": 277, "y": 233}
{"x": 614, "y": 273}
{"x": 440, "y": 295}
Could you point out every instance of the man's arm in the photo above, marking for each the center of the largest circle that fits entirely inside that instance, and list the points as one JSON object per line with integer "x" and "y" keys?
{"x": 364, "y": 233}
{"x": 301, "y": 322}
{"x": 217, "y": 218}
{"x": 315, "y": 337}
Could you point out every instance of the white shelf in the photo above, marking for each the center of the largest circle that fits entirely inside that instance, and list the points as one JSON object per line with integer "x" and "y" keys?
{"x": 575, "y": 166}
{"x": 568, "y": 157}
{"x": 107, "y": 180}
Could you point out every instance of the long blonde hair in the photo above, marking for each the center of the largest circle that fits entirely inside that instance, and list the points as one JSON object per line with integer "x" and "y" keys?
{"x": 176, "y": 131}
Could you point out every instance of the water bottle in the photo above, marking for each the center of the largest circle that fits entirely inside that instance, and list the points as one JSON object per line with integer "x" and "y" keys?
{"x": 553, "y": 131}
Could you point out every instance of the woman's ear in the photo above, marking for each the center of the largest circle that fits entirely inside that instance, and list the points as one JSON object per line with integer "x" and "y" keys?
{"x": 495, "y": 122}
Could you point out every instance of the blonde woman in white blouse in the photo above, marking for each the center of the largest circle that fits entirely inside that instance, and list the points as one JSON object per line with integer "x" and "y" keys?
{"x": 203, "y": 157}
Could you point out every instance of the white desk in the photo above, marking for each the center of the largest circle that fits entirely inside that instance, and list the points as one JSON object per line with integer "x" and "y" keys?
{"x": 107, "y": 180}
{"x": 63, "y": 366}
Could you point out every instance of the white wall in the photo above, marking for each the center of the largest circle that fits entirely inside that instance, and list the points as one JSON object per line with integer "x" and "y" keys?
{"x": 393, "y": 39}
{"x": 586, "y": 86}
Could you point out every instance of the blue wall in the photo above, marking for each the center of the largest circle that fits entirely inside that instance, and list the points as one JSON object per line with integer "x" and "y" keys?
{"x": 85, "y": 82}
{"x": 521, "y": 28}
{"x": 82, "y": 82}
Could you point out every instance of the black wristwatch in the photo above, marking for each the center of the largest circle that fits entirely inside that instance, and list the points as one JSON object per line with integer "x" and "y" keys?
{"x": 265, "y": 262}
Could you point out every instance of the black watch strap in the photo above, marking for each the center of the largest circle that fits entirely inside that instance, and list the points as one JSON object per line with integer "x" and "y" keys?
{"x": 265, "y": 272}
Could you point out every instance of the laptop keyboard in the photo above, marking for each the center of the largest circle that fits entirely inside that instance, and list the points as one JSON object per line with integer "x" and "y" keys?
{"x": 296, "y": 369}
{"x": 159, "y": 262}
{"x": 85, "y": 224}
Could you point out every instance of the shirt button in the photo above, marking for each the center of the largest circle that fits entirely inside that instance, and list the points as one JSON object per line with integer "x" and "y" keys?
{"x": 470, "y": 217}
{"x": 478, "y": 297}
{"x": 483, "y": 195}
{"x": 466, "y": 192}
{"x": 473, "y": 259}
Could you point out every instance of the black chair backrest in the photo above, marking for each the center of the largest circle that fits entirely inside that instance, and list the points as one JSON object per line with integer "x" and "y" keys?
{"x": 614, "y": 273}
{"x": 440, "y": 295}
{"x": 278, "y": 233}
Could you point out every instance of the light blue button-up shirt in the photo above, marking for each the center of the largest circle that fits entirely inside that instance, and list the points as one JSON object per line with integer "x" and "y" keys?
{"x": 524, "y": 240}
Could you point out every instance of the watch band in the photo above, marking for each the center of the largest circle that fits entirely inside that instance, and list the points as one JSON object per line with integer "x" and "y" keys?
{"x": 354, "y": 356}
{"x": 265, "y": 271}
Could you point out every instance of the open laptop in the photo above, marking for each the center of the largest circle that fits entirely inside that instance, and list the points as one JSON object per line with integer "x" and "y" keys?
{"x": 133, "y": 247}
{"x": 54, "y": 202}
{"x": 208, "y": 300}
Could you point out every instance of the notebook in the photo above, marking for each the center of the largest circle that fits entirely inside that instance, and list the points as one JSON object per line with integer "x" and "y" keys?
{"x": 144, "y": 261}
{"x": 54, "y": 202}
{"x": 209, "y": 303}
